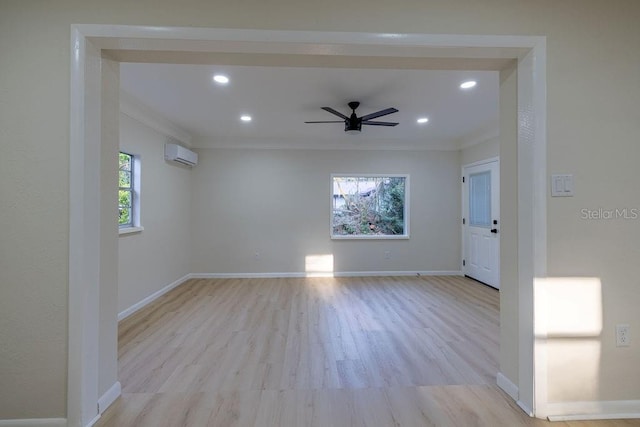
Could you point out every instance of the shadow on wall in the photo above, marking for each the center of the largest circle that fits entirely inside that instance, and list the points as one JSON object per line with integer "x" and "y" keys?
{"x": 568, "y": 334}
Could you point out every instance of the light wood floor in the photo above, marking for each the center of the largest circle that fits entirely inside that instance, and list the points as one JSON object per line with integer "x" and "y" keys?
{"x": 418, "y": 351}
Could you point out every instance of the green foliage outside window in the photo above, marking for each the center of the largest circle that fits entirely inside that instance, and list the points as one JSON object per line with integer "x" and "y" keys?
{"x": 369, "y": 206}
{"x": 125, "y": 190}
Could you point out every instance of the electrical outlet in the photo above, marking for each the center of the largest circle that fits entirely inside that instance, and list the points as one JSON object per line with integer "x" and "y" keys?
{"x": 387, "y": 254}
{"x": 623, "y": 337}
{"x": 256, "y": 255}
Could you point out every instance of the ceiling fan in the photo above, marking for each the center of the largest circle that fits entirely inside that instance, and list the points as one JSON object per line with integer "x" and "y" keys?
{"x": 353, "y": 124}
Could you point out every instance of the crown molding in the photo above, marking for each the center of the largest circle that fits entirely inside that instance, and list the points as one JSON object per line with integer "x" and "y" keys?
{"x": 484, "y": 134}
{"x": 134, "y": 108}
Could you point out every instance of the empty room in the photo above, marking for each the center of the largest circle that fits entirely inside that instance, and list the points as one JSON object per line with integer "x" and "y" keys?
{"x": 331, "y": 262}
{"x": 335, "y": 213}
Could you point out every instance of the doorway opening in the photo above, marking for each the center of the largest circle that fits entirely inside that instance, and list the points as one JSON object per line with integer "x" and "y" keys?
{"x": 93, "y": 102}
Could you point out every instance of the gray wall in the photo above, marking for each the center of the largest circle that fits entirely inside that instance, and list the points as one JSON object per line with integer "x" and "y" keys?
{"x": 277, "y": 203}
{"x": 159, "y": 255}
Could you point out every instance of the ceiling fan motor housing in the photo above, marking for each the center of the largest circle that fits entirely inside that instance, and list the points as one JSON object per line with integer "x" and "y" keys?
{"x": 354, "y": 124}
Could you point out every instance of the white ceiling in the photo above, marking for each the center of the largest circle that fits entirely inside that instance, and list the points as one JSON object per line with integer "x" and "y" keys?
{"x": 281, "y": 99}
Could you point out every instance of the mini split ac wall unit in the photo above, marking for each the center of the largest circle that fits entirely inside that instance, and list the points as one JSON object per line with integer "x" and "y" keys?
{"x": 177, "y": 153}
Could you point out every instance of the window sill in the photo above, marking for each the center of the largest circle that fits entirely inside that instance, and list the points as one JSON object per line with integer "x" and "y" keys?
{"x": 370, "y": 237}
{"x": 129, "y": 230}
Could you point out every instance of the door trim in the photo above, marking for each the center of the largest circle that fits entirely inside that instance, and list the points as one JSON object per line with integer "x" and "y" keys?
{"x": 462, "y": 207}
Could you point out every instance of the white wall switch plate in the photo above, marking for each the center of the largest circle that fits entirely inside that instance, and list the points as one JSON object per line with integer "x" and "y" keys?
{"x": 561, "y": 185}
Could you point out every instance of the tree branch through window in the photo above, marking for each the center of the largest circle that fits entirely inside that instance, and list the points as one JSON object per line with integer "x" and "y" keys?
{"x": 369, "y": 206}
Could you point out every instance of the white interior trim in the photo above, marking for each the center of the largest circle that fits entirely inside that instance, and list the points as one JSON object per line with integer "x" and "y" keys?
{"x": 407, "y": 208}
{"x": 93, "y": 421}
{"x": 479, "y": 136}
{"x": 35, "y": 422}
{"x": 84, "y": 236}
{"x": 84, "y": 247}
{"x": 532, "y": 224}
{"x": 247, "y": 275}
{"x": 540, "y": 335}
{"x": 129, "y": 230}
{"x": 133, "y": 108}
{"x": 512, "y": 390}
{"x": 507, "y": 386}
{"x": 396, "y": 273}
{"x": 602, "y": 410}
{"x": 481, "y": 162}
{"x": 525, "y": 408}
{"x": 539, "y": 175}
{"x": 532, "y": 231}
{"x": 109, "y": 397}
{"x": 266, "y": 275}
{"x": 148, "y": 300}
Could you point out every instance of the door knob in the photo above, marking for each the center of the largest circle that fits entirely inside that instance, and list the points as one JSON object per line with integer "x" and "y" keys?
{"x": 494, "y": 230}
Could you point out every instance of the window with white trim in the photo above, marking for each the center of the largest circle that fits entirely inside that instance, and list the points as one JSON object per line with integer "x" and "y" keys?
{"x": 128, "y": 191}
{"x": 369, "y": 206}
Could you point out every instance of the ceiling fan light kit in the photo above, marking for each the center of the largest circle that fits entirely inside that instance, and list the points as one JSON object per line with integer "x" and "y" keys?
{"x": 353, "y": 124}
{"x": 352, "y": 127}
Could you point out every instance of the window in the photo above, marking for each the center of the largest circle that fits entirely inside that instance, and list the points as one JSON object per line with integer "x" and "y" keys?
{"x": 480, "y": 199}
{"x": 128, "y": 193}
{"x": 125, "y": 190}
{"x": 369, "y": 206}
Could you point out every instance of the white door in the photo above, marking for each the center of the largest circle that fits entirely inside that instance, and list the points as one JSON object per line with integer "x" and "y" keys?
{"x": 481, "y": 222}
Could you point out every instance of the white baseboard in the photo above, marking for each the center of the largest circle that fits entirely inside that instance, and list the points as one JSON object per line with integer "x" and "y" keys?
{"x": 597, "y": 410}
{"x": 93, "y": 421}
{"x": 137, "y": 306}
{"x": 244, "y": 275}
{"x": 35, "y": 422}
{"x": 396, "y": 273}
{"x": 513, "y": 391}
{"x": 507, "y": 386}
{"x": 334, "y": 274}
{"x": 525, "y": 408}
{"x": 109, "y": 397}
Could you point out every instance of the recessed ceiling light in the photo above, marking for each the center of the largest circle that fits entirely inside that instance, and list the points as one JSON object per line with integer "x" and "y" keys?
{"x": 245, "y": 118}
{"x": 468, "y": 84}
{"x": 219, "y": 78}
{"x": 422, "y": 120}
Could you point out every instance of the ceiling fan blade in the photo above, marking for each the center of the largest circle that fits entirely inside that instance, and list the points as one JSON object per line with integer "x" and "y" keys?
{"x": 337, "y": 113}
{"x": 328, "y": 121}
{"x": 380, "y": 123}
{"x": 379, "y": 114}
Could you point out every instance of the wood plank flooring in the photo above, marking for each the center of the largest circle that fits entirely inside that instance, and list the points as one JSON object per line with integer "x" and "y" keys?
{"x": 404, "y": 351}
